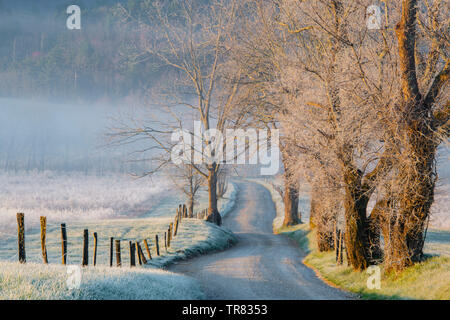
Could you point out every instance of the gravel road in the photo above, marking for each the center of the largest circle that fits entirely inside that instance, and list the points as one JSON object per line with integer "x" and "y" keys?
{"x": 262, "y": 265}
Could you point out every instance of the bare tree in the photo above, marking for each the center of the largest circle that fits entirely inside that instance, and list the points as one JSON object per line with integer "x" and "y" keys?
{"x": 189, "y": 181}
{"x": 192, "y": 44}
{"x": 337, "y": 85}
{"x": 423, "y": 115}
{"x": 222, "y": 182}
{"x": 256, "y": 46}
{"x": 312, "y": 61}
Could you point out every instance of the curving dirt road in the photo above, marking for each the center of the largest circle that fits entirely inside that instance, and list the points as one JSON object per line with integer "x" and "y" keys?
{"x": 262, "y": 265}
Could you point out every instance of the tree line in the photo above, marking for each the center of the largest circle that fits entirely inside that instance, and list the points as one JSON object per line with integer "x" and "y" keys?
{"x": 361, "y": 110}
{"x": 361, "y": 107}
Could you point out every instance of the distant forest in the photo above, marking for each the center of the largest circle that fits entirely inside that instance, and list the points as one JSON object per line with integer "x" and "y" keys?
{"x": 40, "y": 57}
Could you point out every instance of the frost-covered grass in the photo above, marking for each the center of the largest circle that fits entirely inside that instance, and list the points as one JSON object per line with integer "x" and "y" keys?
{"x": 225, "y": 203}
{"x": 66, "y": 197}
{"x": 38, "y": 281}
{"x": 100, "y": 204}
{"x": 34, "y": 280}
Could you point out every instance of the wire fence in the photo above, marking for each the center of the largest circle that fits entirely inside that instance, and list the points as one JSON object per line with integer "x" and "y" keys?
{"x": 81, "y": 246}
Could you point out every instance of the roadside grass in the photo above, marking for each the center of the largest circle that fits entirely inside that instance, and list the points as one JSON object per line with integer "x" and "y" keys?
{"x": 428, "y": 280}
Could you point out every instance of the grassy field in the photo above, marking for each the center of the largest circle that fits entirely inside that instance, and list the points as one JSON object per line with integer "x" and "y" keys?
{"x": 35, "y": 280}
{"x": 426, "y": 280}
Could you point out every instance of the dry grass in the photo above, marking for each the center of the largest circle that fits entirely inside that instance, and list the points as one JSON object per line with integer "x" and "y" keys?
{"x": 426, "y": 280}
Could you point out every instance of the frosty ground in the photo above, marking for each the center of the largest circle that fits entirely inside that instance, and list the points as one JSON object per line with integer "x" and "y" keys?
{"x": 113, "y": 206}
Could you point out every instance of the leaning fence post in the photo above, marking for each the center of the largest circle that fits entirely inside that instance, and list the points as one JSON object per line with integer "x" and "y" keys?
{"x": 157, "y": 244}
{"x": 43, "y": 236}
{"x": 141, "y": 253}
{"x": 136, "y": 247}
{"x": 176, "y": 227}
{"x": 64, "y": 243}
{"x": 148, "y": 249}
{"x": 132, "y": 255}
{"x": 85, "y": 247}
{"x": 95, "y": 248}
{"x": 111, "y": 251}
{"x": 21, "y": 237}
{"x": 118, "y": 259}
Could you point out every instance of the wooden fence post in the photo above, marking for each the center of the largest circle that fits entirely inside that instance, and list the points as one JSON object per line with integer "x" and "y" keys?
{"x": 176, "y": 227}
{"x": 184, "y": 211}
{"x": 95, "y": 248}
{"x": 64, "y": 243}
{"x": 148, "y": 249}
{"x": 165, "y": 240}
{"x": 21, "y": 237}
{"x": 180, "y": 211}
{"x": 132, "y": 255}
{"x": 118, "y": 258}
{"x": 169, "y": 238}
{"x": 111, "y": 251}
{"x": 136, "y": 246}
{"x": 141, "y": 253}
{"x": 157, "y": 245}
{"x": 43, "y": 236}
{"x": 85, "y": 248}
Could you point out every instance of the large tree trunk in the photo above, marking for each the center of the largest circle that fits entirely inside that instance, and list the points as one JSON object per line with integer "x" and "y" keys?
{"x": 213, "y": 213}
{"x": 375, "y": 223}
{"x": 416, "y": 177}
{"x": 323, "y": 221}
{"x": 290, "y": 196}
{"x": 314, "y": 204}
{"x": 415, "y": 197}
{"x": 324, "y": 237}
{"x": 355, "y": 205}
{"x": 191, "y": 207}
{"x": 290, "y": 205}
